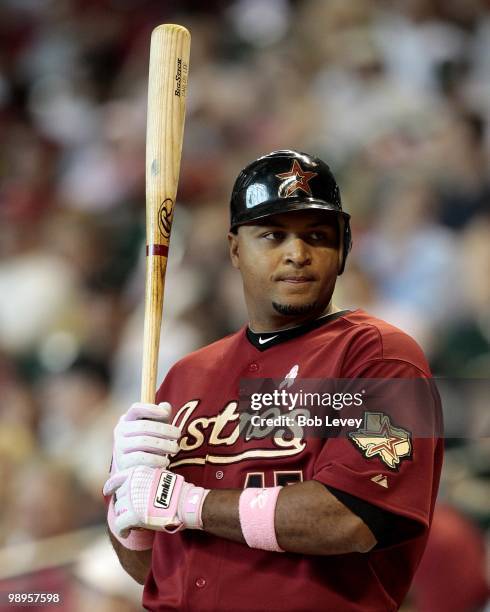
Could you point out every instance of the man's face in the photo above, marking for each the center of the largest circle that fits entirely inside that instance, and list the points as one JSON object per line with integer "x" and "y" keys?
{"x": 289, "y": 264}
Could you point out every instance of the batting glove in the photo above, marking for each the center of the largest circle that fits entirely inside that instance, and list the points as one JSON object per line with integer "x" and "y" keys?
{"x": 154, "y": 499}
{"x": 144, "y": 437}
{"x": 141, "y": 437}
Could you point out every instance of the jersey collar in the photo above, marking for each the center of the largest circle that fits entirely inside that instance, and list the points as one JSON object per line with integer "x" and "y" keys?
{"x": 265, "y": 340}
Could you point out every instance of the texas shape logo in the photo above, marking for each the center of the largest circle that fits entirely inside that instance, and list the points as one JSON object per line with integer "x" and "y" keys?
{"x": 380, "y": 438}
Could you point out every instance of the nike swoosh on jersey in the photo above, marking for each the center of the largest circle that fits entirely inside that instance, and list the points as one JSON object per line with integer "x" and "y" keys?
{"x": 264, "y": 340}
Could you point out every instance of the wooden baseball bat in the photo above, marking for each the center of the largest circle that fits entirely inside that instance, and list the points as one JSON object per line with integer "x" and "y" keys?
{"x": 167, "y": 90}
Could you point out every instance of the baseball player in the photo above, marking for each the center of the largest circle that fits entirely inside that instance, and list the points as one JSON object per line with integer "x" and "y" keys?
{"x": 210, "y": 519}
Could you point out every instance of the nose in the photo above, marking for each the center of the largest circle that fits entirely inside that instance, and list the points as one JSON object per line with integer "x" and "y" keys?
{"x": 297, "y": 252}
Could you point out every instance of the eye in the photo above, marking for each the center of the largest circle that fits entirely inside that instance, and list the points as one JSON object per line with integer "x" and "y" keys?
{"x": 273, "y": 235}
{"x": 325, "y": 237}
{"x": 321, "y": 236}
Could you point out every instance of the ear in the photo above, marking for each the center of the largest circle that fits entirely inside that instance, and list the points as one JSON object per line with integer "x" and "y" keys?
{"x": 233, "y": 246}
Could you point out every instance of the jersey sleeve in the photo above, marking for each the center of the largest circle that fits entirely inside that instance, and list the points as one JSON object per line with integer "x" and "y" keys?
{"x": 388, "y": 528}
{"x": 393, "y": 460}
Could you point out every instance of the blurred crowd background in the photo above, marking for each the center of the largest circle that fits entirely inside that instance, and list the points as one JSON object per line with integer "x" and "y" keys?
{"x": 394, "y": 94}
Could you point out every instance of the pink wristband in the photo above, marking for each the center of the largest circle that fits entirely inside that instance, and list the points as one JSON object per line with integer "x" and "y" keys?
{"x": 257, "y": 512}
{"x": 138, "y": 539}
{"x": 190, "y": 510}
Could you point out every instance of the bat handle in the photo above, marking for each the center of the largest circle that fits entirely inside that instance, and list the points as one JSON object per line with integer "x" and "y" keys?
{"x": 155, "y": 281}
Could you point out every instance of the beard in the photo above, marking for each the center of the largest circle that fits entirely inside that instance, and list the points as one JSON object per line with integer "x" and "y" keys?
{"x": 294, "y": 311}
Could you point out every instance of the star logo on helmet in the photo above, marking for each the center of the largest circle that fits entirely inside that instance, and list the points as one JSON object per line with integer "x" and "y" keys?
{"x": 294, "y": 180}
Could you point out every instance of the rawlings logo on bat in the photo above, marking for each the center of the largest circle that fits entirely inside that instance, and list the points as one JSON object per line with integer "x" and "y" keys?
{"x": 165, "y": 217}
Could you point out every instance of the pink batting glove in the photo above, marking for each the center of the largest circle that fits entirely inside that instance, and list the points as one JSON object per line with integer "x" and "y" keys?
{"x": 154, "y": 499}
{"x": 136, "y": 539}
{"x": 143, "y": 436}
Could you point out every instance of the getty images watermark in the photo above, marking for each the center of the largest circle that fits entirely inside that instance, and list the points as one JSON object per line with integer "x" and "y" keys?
{"x": 395, "y": 410}
{"x": 290, "y": 408}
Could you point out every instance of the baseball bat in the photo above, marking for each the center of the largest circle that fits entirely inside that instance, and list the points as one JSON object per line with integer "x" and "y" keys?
{"x": 167, "y": 90}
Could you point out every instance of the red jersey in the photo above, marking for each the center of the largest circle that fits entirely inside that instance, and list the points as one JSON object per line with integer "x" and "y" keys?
{"x": 196, "y": 571}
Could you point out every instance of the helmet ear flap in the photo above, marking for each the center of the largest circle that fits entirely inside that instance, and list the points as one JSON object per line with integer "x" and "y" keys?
{"x": 345, "y": 242}
{"x": 341, "y": 230}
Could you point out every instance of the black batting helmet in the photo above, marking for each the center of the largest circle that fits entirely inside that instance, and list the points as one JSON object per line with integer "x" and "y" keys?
{"x": 283, "y": 181}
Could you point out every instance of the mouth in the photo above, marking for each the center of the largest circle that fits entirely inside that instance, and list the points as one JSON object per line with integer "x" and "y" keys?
{"x": 296, "y": 280}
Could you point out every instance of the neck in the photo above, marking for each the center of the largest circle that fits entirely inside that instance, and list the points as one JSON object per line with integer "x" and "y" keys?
{"x": 278, "y": 322}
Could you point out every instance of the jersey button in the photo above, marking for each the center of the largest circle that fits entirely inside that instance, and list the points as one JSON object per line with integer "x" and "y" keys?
{"x": 253, "y": 367}
{"x": 200, "y": 582}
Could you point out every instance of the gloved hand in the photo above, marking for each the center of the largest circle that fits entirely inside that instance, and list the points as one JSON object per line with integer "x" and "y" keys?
{"x": 141, "y": 437}
{"x": 154, "y": 498}
{"x": 144, "y": 437}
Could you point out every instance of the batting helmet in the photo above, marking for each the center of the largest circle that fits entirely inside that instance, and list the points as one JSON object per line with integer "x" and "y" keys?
{"x": 287, "y": 180}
